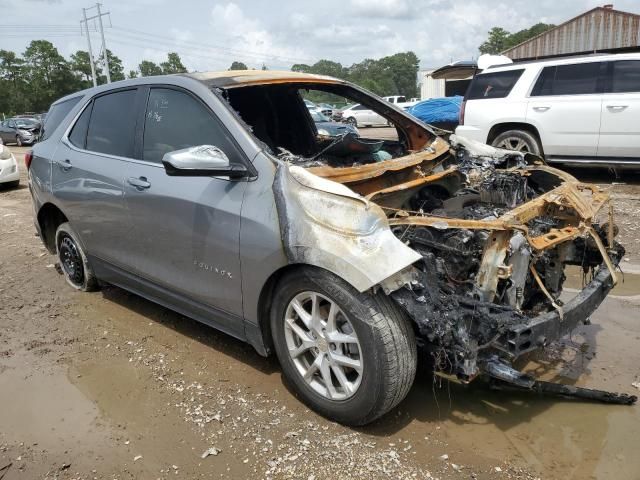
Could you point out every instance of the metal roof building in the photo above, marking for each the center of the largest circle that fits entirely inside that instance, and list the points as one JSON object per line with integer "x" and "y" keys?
{"x": 601, "y": 29}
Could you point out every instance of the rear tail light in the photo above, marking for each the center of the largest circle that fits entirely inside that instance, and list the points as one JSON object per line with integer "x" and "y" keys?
{"x": 461, "y": 116}
{"x": 27, "y": 159}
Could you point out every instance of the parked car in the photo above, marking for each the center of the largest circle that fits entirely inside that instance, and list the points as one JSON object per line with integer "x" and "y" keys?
{"x": 21, "y": 131}
{"x": 359, "y": 115}
{"x": 9, "y": 171}
{"x": 401, "y": 101}
{"x": 229, "y": 209}
{"x": 581, "y": 111}
{"x": 330, "y": 128}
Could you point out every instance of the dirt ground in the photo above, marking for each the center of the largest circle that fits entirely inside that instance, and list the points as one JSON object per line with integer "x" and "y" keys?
{"x": 107, "y": 385}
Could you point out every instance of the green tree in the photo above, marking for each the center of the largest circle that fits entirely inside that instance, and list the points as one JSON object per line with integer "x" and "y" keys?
{"x": 527, "y": 33}
{"x": 148, "y": 68}
{"x": 238, "y": 66}
{"x": 132, "y": 74}
{"x": 81, "y": 67}
{"x": 173, "y": 64}
{"x": 496, "y": 42}
{"x": 48, "y": 74}
{"x": 301, "y": 67}
{"x": 402, "y": 68}
{"x": 393, "y": 75}
{"x": 500, "y": 40}
{"x": 12, "y": 84}
{"x": 116, "y": 69}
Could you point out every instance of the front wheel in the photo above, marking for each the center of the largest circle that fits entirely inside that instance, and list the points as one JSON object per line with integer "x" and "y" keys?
{"x": 18, "y": 140}
{"x": 518, "y": 140}
{"x": 73, "y": 260}
{"x": 352, "y": 121}
{"x": 350, "y": 356}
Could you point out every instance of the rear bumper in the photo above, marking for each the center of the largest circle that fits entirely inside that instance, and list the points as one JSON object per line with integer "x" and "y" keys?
{"x": 9, "y": 171}
{"x": 550, "y": 326}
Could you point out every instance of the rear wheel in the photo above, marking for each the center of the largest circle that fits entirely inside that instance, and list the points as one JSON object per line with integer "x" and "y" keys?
{"x": 18, "y": 140}
{"x": 350, "y": 356}
{"x": 518, "y": 140}
{"x": 73, "y": 260}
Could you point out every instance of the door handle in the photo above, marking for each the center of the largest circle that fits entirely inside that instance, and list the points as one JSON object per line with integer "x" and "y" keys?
{"x": 541, "y": 109}
{"x": 65, "y": 165}
{"x": 617, "y": 107}
{"x": 140, "y": 183}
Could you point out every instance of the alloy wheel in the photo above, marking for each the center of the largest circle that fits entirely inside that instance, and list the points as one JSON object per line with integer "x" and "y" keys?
{"x": 514, "y": 143}
{"x": 323, "y": 345}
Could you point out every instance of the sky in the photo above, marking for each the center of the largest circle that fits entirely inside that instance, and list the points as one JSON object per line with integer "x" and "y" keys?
{"x": 209, "y": 35}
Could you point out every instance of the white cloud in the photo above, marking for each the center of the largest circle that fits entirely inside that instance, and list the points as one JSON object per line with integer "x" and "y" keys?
{"x": 382, "y": 8}
{"x": 290, "y": 31}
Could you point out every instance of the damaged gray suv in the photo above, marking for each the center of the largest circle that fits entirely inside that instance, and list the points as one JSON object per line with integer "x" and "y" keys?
{"x": 214, "y": 194}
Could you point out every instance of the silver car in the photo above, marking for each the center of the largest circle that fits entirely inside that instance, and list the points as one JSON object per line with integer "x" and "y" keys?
{"x": 214, "y": 195}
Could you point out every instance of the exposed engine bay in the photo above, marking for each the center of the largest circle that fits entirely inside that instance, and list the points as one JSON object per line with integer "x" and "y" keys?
{"x": 471, "y": 241}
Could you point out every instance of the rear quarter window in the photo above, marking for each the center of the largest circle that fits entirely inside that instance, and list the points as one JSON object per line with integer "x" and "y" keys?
{"x": 56, "y": 115}
{"x": 493, "y": 85}
{"x": 625, "y": 76}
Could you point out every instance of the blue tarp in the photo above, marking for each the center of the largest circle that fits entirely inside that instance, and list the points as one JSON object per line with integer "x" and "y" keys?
{"x": 438, "y": 110}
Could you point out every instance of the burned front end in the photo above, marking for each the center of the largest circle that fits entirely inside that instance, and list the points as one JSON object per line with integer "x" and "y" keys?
{"x": 494, "y": 253}
{"x": 495, "y": 232}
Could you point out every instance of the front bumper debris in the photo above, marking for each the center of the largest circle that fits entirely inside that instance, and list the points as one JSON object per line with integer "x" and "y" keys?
{"x": 539, "y": 331}
{"x": 504, "y": 377}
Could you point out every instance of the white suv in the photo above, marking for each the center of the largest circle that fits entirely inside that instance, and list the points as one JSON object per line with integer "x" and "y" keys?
{"x": 581, "y": 110}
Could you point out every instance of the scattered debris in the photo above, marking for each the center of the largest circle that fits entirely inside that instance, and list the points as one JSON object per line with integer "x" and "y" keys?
{"x": 137, "y": 457}
{"x": 210, "y": 451}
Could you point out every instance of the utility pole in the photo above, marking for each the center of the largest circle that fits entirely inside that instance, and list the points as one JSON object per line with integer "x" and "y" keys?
{"x": 86, "y": 31}
{"x": 104, "y": 43}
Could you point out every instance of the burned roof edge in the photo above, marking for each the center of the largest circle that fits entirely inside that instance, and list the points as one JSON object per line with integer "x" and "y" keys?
{"x": 239, "y": 78}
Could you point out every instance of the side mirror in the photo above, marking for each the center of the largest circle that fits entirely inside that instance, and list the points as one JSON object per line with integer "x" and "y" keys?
{"x": 201, "y": 161}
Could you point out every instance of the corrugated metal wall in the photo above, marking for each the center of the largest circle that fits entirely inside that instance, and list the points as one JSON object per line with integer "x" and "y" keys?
{"x": 430, "y": 87}
{"x": 598, "y": 29}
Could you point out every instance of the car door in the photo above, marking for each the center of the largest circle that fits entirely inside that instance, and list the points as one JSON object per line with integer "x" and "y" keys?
{"x": 88, "y": 171}
{"x": 4, "y": 129}
{"x": 11, "y": 131}
{"x": 620, "y": 125}
{"x": 565, "y": 105}
{"x": 187, "y": 228}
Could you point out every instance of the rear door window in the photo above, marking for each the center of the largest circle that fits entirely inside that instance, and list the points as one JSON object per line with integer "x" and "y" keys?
{"x": 56, "y": 115}
{"x": 576, "y": 79}
{"x": 112, "y": 125}
{"x": 493, "y": 85}
{"x": 626, "y": 76}
{"x": 175, "y": 120}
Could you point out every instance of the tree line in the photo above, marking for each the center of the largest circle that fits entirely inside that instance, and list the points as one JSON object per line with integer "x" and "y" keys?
{"x": 499, "y": 39}
{"x": 32, "y": 81}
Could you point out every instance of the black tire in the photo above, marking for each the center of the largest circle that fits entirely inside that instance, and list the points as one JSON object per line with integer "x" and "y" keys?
{"x": 352, "y": 121}
{"x": 73, "y": 260}
{"x": 386, "y": 340}
{"x": 18, "y": 140}
{"x": 8, "y": 185}
{"x": 519, "y": 140}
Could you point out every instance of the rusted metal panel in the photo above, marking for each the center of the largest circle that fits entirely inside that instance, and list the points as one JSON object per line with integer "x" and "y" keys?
{"x": 596, "y": 30}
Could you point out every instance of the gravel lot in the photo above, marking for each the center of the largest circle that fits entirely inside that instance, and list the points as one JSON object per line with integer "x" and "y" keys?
{"x": 107, "y": 385}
